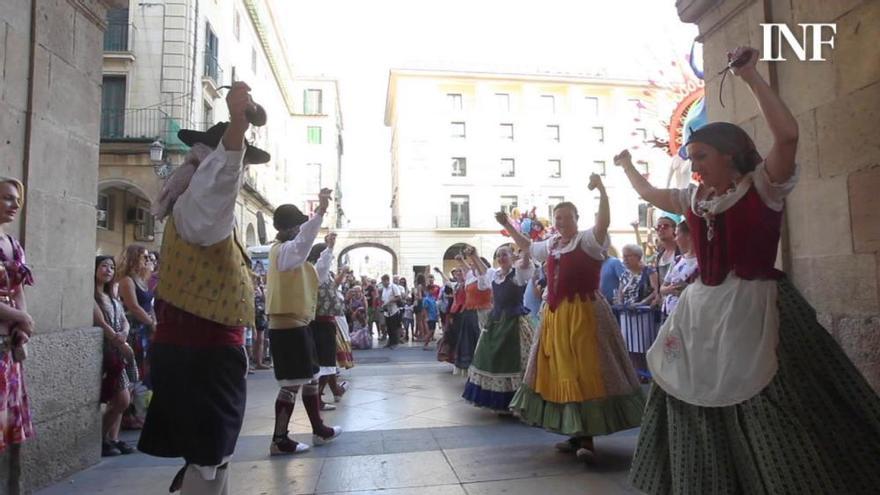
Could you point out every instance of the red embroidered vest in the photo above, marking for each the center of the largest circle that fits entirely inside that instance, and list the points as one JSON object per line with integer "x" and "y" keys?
{"x": 574, "y": 274}
{"x": 745, "y": 239}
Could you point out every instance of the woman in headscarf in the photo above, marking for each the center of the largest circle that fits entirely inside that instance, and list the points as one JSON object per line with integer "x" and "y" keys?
{"x": 750, "y": 393}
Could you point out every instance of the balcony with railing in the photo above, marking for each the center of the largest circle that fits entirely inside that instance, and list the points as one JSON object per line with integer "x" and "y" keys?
{"x": 119, "y": 37}
{"x": 213, "y": 75}
{"x": 139, "y": 125}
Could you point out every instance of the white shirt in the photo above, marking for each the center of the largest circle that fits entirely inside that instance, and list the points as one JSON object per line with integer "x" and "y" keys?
{"x": 294, "y": 252}
{"x": 322, "y": 266}
{"x": 521, "y": 276}
{"x": 389, "y": 293}
{"x": 205, "y": 213}
{"x": 585, "y": 240}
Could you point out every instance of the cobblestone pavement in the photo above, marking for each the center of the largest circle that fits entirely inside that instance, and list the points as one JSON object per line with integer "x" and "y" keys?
{"x": 407, "y": 431}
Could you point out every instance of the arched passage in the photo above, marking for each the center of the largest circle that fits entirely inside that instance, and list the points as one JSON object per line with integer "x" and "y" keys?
{"x": 451, "y": 252}
{"x": 359, "y": 245}
{"x": 123, "y": 217}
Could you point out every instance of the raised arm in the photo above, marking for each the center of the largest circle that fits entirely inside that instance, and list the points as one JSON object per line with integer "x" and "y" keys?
{"x": 603, "y": 220}
{"x": 665, "y": 199}
{"x": 521, "y": 240}
{"x": 779, "y": 162}
{"x": 442, "y": 275}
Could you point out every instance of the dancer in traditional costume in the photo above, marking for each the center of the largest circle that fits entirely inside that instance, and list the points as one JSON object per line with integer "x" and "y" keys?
{"x": 325, "y": 327}
{"x": 478, "y": 302}
{"x": 750, "y": 395}
{"x": 291, "y": 303}
{"x": 205, "y": 301}
{"x": 499, "y": 361}
{"x": 579, "y": 380}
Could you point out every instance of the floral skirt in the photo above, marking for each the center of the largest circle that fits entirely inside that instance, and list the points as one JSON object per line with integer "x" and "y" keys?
{"x": 499, "y": 361}
{"x": 814, "y": 429}
{"x": 15, "y": 415}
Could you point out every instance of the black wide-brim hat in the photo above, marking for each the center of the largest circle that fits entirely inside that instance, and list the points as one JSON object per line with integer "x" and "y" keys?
{"x": 212, "y": 137}
{"x": 287, "y": 217}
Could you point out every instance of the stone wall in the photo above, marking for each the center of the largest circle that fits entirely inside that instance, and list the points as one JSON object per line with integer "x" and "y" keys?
{"x": 58, "y": 223}
{"x": 832, "y": 244}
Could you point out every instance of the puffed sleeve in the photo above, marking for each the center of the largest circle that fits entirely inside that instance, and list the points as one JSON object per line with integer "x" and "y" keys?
{"x": 540, "y": 250}
{"x": 591, "y": 246}
{"x": 771, "y": 193}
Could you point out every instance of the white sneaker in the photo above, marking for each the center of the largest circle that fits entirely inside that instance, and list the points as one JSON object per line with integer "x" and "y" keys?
{"x": 287, "y": 447}
{"x": 318, "y": 440}
{"x": 326, "y": 406}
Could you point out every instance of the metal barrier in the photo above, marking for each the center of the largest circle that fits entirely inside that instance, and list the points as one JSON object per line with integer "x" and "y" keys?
{"x": 639, "y": 326}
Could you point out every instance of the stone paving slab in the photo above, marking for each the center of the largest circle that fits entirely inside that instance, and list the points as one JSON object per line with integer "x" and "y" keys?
{"x": 407, "y": 432}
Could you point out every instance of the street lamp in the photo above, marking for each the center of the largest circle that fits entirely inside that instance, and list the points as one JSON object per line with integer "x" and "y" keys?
{"x": 157, "y": 156}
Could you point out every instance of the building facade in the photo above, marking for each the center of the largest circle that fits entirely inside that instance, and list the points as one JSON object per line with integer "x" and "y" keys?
{"x": 831, "y": 241}
{"x": 165, "y": 68}
{"x": 466, "y": 145}
{"x": 316, "y": 140}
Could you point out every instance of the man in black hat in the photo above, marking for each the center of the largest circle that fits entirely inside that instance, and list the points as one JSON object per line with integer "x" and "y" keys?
{"x": 204, "y": 302}
{"x": 291, "y": 303}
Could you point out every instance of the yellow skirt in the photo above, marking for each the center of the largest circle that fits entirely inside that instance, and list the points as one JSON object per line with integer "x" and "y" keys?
{"x": 581, "y": 355}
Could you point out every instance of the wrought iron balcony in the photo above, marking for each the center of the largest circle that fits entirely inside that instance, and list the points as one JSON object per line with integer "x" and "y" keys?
{"x": 119, "y": 37}
{"x": 140, "y": 124}
{"x": 213, "y": 70}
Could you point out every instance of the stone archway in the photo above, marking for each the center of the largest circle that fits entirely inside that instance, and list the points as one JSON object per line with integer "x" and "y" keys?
{"x": 449, "y": 255}
{"x": 357, "y": 245}
{"x": 124, "y": 217}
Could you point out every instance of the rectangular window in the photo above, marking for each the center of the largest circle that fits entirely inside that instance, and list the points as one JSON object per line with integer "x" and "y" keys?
{"x": 552, "y": 202}
{"x": 554, "y": 169}
{"x": 599, "y": 134}
{"x": 113, "y": 107}
{"x": 508, "y": 167}
{"x": 553, "y": 133}
{"x": 634, "y": 107}
{"x": 502, "y": 100}
{"x": 312, "y": 102}
{"x": 506, "y": 131}
{"x": 642, "y": 167}
{"x": 641, "y": 134}
{"x": 459, "y": 166}
{"x": 459, "y": 212}
{"x": 314, "y": 134}
{"x": 592, "y": 106}
{"x": 457, "y": 129}
{"x": 212, "y": 54}
{"x": 144, "y": 228}
{"x": 105, "y": 212}
{"x": 454, "y": 101}
{"x": 599, "y": 167}
{"x": 253, "y": 60}
{"x": 207, "y": 116}
{"x": 548, "y": 104}
{"x": 116, "y": 32}
{"x": 313, "y": 178}
{"x": 508, "y": 203}
{"x": 236, "y": 26}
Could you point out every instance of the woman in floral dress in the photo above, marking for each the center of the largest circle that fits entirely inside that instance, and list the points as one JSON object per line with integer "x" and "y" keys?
{"x": 16, "y": 327}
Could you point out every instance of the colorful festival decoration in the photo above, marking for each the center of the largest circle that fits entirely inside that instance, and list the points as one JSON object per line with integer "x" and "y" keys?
{"x": 528, "y": 223}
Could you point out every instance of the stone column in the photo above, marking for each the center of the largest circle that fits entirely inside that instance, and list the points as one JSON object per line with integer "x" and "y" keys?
{"x": 50, "y": 101}
{"x": 832, "y": 248}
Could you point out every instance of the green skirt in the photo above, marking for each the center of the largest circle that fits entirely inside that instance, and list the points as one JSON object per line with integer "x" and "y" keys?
{"x": 579, "y": 419}
{"x": 814, "y": 429}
